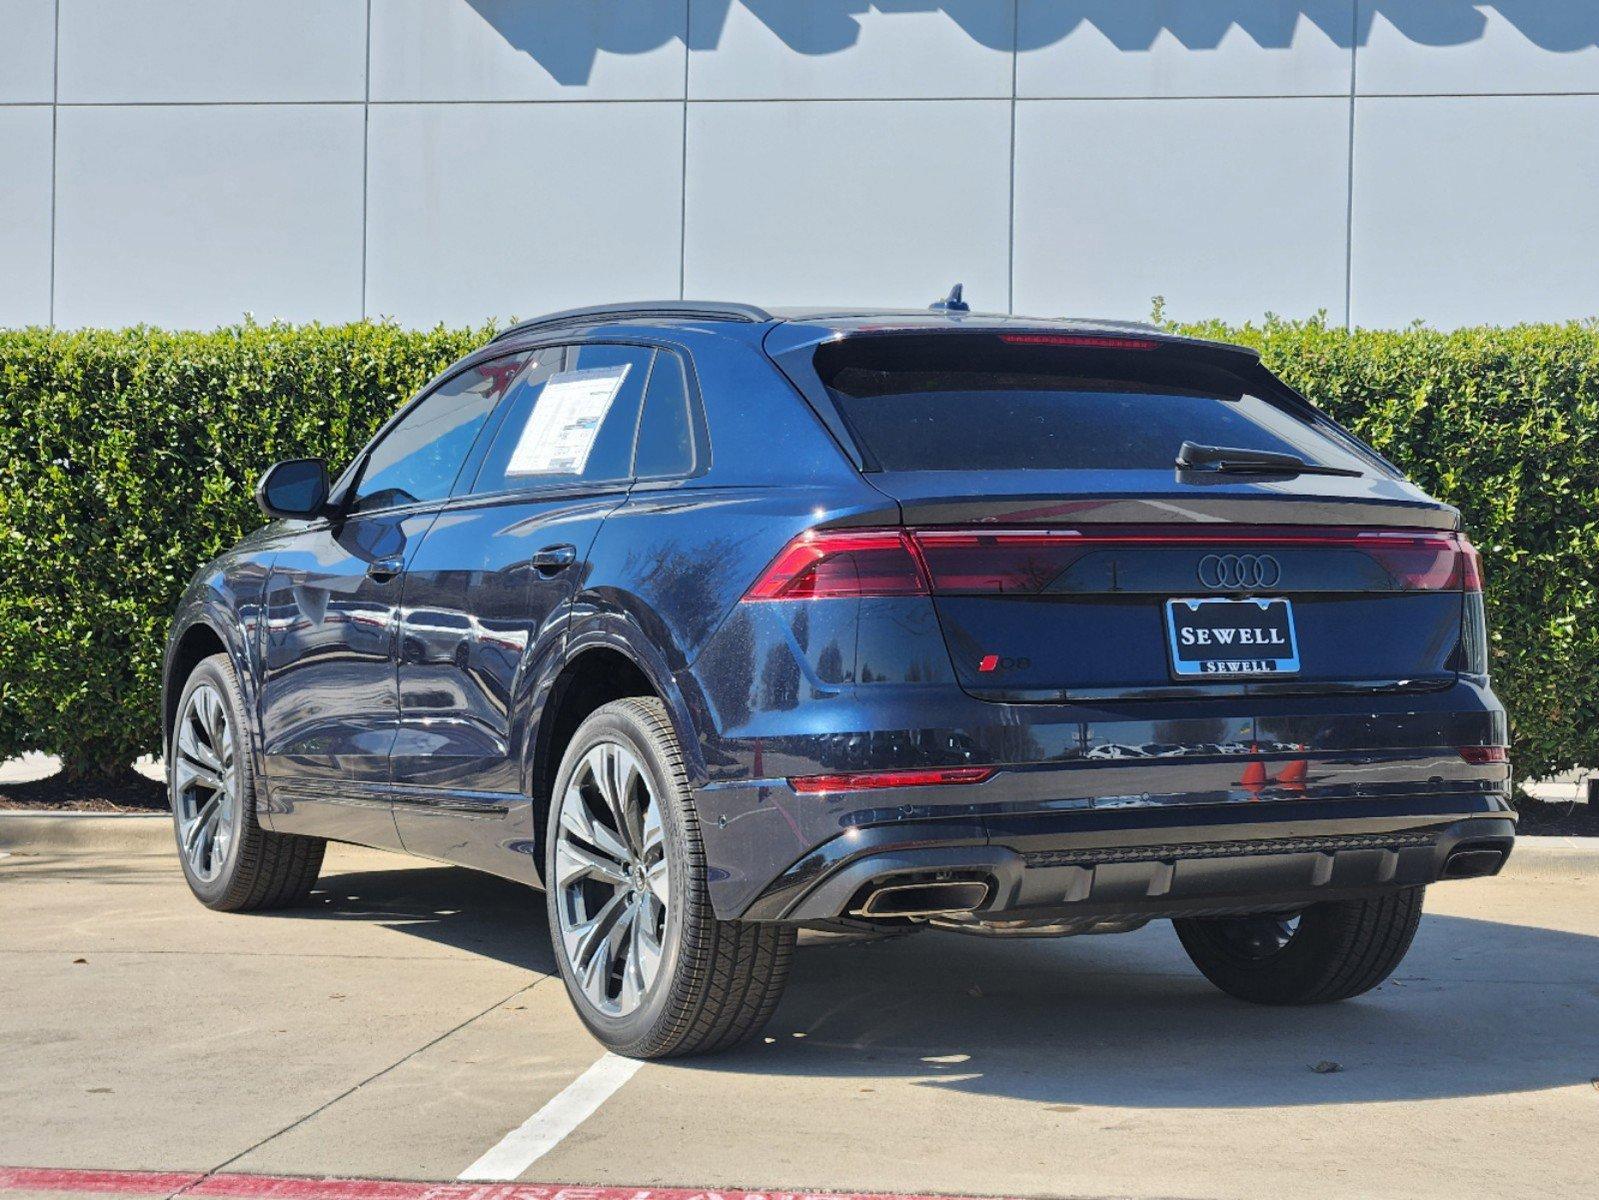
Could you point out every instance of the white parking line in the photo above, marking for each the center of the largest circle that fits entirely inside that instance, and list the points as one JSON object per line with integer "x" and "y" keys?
{"x": 543, "y": 1131}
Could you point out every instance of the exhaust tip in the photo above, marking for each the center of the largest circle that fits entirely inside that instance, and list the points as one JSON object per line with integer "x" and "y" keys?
{"x": 933, "y": 898}
{"x": 1473, "y": 862}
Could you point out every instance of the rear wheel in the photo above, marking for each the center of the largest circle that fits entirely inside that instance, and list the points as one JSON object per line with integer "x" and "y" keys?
{"x": 231, "y": 863}
{"x": 649, "y": 968}
{"x": 1330, "y": 951}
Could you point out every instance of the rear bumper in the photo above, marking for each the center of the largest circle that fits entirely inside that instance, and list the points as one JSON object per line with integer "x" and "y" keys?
{"x": 1152, "y": 862}
{"x": 1071, "y": 776}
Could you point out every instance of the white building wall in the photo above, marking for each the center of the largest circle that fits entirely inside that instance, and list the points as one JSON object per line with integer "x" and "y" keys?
{"x": 183, "y": 162}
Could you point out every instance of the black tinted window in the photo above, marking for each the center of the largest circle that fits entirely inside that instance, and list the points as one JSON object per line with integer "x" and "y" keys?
{"x": 571, "y": 423}
{"x": 971, "y": 403}
{"x": 418, "y": 458}
{"x": 665, "y": 443}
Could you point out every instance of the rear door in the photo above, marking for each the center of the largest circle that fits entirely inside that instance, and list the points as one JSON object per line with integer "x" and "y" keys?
{"x": 1071, "y": 559}
{"x": 488, "y": 594}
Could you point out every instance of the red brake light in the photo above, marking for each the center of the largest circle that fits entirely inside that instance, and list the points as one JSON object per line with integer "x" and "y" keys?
{"x": 828, "y": 563}
{"x": 1481, "y": 756}
{"x": 1425, "y": 562}
{"x": 1080, "y": 340}
{"x": 868, "y": 780}
{"x": 1010, "y": 563}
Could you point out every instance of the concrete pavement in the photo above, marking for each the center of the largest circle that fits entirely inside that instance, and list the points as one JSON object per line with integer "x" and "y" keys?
{"x": 402, "y": 1024}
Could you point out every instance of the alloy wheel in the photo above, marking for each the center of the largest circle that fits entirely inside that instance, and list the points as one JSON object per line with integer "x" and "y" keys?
{"x": 205, "y": 792}
{"x": 612, "y": 879}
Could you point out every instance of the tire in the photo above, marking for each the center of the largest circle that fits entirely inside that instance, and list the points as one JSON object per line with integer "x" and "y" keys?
{"x": 234, "y": 865}
{"x": 1339, "y": 949}
{"x": 660, "y": 976}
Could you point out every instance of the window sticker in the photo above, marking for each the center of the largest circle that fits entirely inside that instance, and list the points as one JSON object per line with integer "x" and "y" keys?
{"x": 560, "y": 432}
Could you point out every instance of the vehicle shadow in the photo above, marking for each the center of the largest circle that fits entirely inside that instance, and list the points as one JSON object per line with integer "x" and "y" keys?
{"x": 450, "y": 906}
{"x": 1479, "y": 1007}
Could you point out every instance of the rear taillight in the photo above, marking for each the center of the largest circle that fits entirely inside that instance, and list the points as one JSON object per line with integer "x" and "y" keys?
{"x": 900, "y": 562}
{"x": 1481, "y": 756}
{"x": 1425, "y": 562}
{"x": 861, "y": 781}
{"x": 828, "y": 563}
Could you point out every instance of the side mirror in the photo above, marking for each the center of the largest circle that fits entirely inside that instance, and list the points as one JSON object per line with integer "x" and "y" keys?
{"x": 295, "y": 488}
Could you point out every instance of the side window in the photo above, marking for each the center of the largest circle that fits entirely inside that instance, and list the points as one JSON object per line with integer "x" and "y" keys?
{"x": 665, "y": 440}
{"x": 486, "y": 472}
{"x": 571, "y": 424}
{"x": 419, "y": 458}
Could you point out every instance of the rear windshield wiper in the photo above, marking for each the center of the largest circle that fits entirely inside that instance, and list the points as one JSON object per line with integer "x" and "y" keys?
{"x": 1234, "y": 461}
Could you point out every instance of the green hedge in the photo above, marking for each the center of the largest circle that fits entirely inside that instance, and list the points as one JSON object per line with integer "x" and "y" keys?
{"x": 127, "y": 458}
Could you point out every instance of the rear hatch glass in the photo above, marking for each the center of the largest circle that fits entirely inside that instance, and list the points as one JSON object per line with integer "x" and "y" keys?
{"x": 992, "y": 403}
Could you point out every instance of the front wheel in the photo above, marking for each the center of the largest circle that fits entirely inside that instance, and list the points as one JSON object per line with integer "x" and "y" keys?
{"x": 649, "y": 968}
{"x": 231, "y": 863}
{"x": 1330, "y": 951}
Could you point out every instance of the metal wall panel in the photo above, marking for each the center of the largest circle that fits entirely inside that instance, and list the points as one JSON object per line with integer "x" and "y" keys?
{"x": 27, "y": 51}
{"x": 25, "y": 216}
{"x": 502, "y": 210}
{"x": 193, "y": 215}
{"x": 1507, "y": 47}
{"x": 527, "y": 49}
{"x": 863, "y": 202}
{"x": 1472, "y": 210}
{"x": 831, "y": 51}
{"x": 1187, "y": 48}
{"x": 1224, "y": 207}
{"x": 212, "y": 51}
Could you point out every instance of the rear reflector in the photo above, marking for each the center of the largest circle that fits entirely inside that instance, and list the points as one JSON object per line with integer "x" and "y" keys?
{"x": 899, "y": 562}
{"x": 1481, "y": 756}
{"x": 867, "y": 780}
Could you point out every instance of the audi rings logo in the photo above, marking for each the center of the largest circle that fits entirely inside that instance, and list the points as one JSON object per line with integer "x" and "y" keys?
{"x": 1246, "y": 572}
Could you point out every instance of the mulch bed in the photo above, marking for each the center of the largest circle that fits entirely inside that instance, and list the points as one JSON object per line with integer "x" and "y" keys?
{"x": 1540, "y": 818}
{"x": 129, "y": 793}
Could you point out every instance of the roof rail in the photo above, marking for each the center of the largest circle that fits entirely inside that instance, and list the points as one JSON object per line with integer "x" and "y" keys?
{"x": 676, "y": 310}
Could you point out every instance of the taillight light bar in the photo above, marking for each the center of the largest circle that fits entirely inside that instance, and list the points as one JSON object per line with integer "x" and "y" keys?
{"x": 862, "y": 781}
{"x": 824, "y": 563}
{"x": 1481, "y": 756}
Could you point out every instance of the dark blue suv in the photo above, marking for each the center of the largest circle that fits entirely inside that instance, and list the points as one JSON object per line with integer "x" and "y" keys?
{"x": 719, "y": 623}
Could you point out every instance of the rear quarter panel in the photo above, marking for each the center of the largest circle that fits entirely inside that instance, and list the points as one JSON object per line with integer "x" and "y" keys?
{"x": 670, "y": 565}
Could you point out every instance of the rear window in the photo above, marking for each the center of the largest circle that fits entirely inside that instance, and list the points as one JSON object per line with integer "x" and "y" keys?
{"x": 971, "y": 402}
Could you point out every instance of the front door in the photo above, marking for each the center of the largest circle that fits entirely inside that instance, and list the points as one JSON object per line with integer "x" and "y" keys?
{"x": 328, "y": 701}
{"x": 330, "y": 694}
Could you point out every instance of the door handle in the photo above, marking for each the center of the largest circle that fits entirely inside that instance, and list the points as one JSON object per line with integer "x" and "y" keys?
{"x": 385, "y": 569}
{"x": 554, "y": 558}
